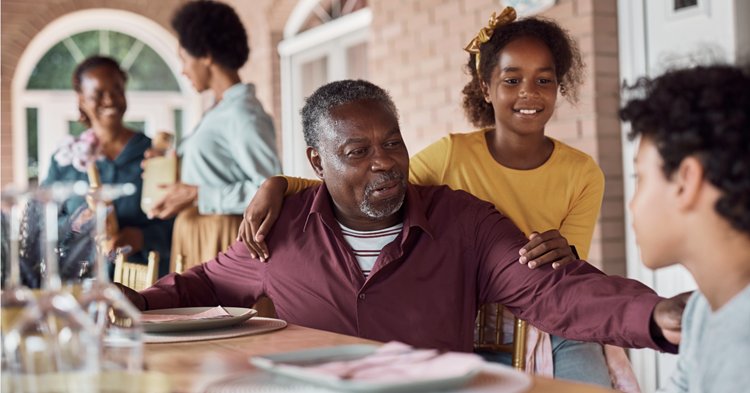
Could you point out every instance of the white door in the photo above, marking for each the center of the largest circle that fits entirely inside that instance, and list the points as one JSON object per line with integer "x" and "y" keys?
{"x": 656, "y": 35}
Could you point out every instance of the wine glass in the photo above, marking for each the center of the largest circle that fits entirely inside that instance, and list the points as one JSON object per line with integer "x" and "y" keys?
{"x": 53, "y": 335}
{"x": 118, "y": 322}
{"x": 15, "y": 297}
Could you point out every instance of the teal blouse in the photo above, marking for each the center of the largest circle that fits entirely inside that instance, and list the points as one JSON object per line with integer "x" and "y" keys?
{"x": 230, "y": 153}
{"x": 125, "y": 168}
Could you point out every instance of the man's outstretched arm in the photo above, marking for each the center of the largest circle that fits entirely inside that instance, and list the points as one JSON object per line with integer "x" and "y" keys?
{"x": 577, "y": 301}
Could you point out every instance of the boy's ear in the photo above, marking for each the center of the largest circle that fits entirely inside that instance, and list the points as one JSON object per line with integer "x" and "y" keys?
{"x": 689, "y": 178}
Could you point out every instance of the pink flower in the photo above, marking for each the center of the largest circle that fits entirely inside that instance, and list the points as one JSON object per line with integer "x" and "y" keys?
{"x": 78, "y": 152}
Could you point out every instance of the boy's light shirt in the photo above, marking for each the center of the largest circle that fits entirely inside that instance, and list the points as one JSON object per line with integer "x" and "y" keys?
{"x": 715, "y": 348}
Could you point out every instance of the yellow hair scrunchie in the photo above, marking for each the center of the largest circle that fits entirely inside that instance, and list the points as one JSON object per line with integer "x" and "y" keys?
{"x": 507, "y": 16}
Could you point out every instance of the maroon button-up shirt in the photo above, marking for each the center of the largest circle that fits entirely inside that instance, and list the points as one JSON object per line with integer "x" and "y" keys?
{"x": 454, "y": 253}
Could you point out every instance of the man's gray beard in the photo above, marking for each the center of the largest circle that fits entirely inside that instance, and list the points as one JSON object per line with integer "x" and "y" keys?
{"x": 391, "y": 208}
{"x": 388, "y": 210}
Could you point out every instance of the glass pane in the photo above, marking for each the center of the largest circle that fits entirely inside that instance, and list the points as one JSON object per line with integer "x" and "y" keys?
{"x": 75, "y": 128}
{"x": 136, "y": 125}
{"x": 150, "y": 72}
{"x": 314, "y": 74}
{"x": 147, "y": 72}
{"x": 679, "y": 4}
{"x": 32, "y": 144}
{"x": 54, "y": 70}
{"x": 177, "y": 113}
{"x": 119, "y": 44}
{"x": 87, "y": 42}
{"x": 356, "y": 61}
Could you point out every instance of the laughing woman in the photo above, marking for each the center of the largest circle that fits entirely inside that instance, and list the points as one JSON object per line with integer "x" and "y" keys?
{"x": 117, "y": 151}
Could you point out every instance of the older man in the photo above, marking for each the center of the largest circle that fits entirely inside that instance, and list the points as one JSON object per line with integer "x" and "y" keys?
{"x": 439, "y": 253}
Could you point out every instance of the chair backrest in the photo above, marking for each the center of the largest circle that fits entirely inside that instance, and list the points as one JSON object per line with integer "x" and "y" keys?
{"x": 179, "y": 263}
{"x": 137, "y": 276}
{"x": 491, "y": 337}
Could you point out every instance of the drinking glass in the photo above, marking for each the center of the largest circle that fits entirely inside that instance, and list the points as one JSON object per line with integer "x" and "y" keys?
{"x": 117, "y": 321}
{"x": 15, "y": 297}
{"x": 53, "y": 335}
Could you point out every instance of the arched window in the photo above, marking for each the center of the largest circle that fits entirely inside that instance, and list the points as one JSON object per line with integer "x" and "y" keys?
{"x": 324, "y": 41}
{"x": 45, "y": 105}
{"x": 146, "y": 70}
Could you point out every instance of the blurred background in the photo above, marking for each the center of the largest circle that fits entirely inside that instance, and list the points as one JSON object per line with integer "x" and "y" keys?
{"x": 413, "y": 48}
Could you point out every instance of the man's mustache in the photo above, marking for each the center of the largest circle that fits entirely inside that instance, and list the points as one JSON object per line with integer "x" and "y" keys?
{"x": 384, "y": 179}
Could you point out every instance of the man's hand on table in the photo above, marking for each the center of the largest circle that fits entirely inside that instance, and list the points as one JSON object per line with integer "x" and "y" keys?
{"x": 668, "y": 316}
{"x": 136, "y": 298}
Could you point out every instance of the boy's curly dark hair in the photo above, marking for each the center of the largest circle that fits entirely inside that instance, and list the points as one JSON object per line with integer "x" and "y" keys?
{"x": 565, "y": 53}
{"x": 209, "y": 28}
{"x": 702, "y": 112}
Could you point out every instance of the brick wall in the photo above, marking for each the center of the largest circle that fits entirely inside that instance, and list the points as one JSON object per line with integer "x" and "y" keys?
{"x": 21, "y": 22}
{"x": 416, "y": 53}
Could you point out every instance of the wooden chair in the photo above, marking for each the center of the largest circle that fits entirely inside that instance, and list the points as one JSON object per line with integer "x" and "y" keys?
{"x": 179, "y": 263}
{"x": 495, "y": 341}
{"x": 137, "y": 276}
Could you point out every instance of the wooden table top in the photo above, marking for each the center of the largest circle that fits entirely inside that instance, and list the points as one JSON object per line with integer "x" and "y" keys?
{"x": 193, "y": 366}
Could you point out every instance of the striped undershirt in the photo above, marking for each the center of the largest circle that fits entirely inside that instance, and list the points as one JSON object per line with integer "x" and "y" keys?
{"x": 366, "y": 245}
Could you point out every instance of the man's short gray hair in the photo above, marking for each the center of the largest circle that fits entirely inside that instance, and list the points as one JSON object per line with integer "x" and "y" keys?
{"x": 316, "y": 114}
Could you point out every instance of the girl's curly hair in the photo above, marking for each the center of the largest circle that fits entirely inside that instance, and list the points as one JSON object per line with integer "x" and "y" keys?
{"x": 702, "y": 112}
{"x": 565, "y": 54}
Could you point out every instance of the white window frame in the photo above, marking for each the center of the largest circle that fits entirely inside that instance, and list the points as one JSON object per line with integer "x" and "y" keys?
{"x": 331, "y": 40}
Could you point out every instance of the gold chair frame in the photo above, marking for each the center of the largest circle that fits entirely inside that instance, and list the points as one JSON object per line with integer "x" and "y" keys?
{"x": 517, "y": 348}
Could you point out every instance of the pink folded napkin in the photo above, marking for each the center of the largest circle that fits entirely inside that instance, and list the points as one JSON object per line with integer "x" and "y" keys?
{"x": 216, "y": 312}
{"x": 398, "y": 362}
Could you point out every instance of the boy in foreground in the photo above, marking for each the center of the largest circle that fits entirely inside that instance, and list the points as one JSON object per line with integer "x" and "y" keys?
{"x": 692, "y": 206}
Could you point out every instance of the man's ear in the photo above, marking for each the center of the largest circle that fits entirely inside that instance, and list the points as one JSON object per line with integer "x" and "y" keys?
{"x": 314, "y": 158}
{"x": 689, "y": 179}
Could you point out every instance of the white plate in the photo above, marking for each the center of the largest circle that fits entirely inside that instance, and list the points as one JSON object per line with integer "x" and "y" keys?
{"x": 494, "y": 378}
{"x": 239, "y": 315}
{"x": 283, "y": 364}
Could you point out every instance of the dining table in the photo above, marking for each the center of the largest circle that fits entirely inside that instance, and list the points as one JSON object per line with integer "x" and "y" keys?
{"x": 196, "y": 366}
